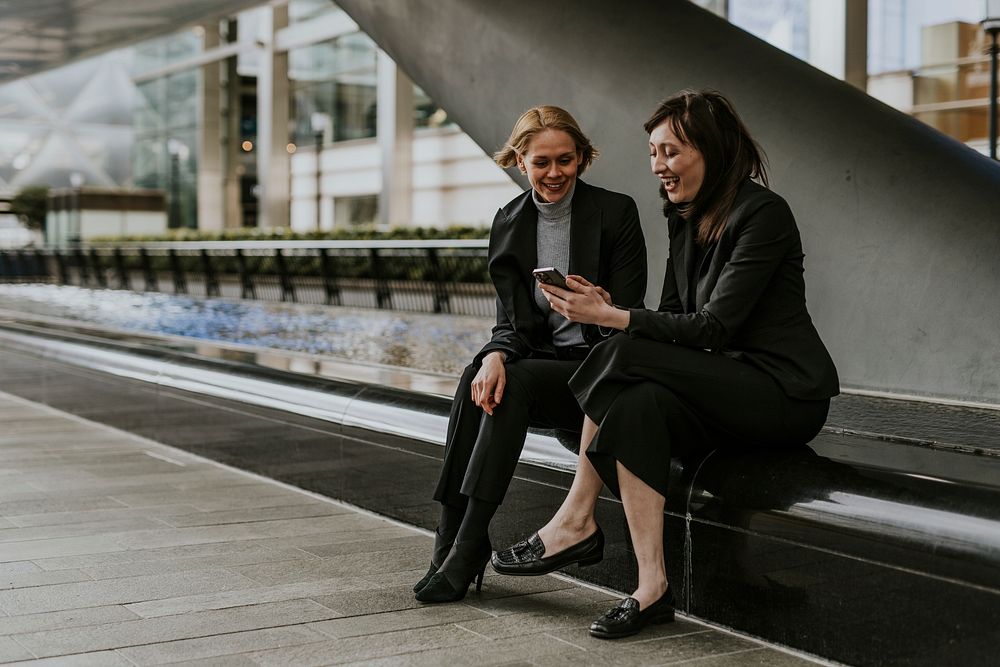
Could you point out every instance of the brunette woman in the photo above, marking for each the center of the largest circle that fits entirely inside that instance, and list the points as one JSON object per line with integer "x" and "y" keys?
{"x": 520, "y": 377}
{"x": 730, "y": 357}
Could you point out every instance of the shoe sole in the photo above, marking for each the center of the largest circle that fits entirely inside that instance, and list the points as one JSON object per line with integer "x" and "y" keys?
{"x": 549, "y": 570}
{"x": 656, "y": 620}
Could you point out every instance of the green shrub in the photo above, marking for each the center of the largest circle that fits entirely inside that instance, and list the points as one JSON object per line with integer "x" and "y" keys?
{"x": 31, "y": 205}
{"x": 285, "y": 234}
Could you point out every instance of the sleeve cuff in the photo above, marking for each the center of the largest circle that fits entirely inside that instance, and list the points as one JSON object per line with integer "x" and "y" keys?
{"x": 636, "y": 321}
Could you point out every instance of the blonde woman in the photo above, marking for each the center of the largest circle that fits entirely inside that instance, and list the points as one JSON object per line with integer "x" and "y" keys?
{"x": 519, "y": 378}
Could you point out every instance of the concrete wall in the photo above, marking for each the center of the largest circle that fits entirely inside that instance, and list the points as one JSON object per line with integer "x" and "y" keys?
{"x": 901, "y": 224}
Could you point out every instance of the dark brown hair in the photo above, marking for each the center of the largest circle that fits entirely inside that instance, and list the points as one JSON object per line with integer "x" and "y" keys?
{"x": 708, "y": 122}
{"x": 533, "y": 121}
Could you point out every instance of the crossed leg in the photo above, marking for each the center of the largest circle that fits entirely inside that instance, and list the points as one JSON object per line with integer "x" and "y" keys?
{"x": 574, "y": 520}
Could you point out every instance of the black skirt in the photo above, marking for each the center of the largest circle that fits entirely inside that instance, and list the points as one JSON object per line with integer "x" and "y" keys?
{"x": 654, "y": 400}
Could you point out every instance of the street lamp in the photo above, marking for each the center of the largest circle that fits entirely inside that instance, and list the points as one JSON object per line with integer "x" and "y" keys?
{"x": 178, "y": 151}
{"x": 76, "y": 180}
{"x": 991, "y": 24}
{"x": 319, "y": 122}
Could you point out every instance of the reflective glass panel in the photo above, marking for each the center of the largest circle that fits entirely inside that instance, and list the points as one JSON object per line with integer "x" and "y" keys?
{"x": 426, "y": 113}
{"x": 335, "y": 79}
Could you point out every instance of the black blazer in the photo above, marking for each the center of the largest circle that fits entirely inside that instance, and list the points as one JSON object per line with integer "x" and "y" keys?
{"x": 751, "y": 304}
{"x": 606, "y": 247}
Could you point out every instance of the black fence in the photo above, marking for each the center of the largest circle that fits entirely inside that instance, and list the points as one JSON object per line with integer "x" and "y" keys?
{"x": 427, "y": 276}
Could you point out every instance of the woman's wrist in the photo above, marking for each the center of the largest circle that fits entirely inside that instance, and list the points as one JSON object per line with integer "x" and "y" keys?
{"x": 616, "y": 318}
{"x": 500, "y": 356}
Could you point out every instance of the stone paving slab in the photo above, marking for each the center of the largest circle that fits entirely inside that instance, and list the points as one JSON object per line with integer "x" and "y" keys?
{"x": 115, "y": 550}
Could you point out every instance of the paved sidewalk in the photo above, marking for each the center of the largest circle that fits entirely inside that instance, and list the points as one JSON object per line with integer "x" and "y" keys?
{"x": 115, "y": 550}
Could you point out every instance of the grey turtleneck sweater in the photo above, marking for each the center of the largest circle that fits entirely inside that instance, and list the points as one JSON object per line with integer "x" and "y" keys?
{"x": 553, "y": 250}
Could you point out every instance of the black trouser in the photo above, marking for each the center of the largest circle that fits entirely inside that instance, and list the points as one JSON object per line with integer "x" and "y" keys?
{"x": 481, "y": 451}
{"x": 653, "y": 400}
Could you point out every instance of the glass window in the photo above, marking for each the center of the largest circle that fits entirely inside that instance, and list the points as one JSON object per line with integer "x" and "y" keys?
{"x": 108, "y": 148}
{"x": 896, "y": 29}
{"x": 166, "y": 131}
{"x": 182, "y": 99}
{"x": 58, "y": 88}
{"x": 87, "y": 104}
{"x": 150, "y": 107}
{"x": 426, "y": 113}
{"x": 355, "y": 211}
{"x": 149, "y": 163}
{"x": 336, "y": 79}
{"x": 715, "y": 6}
{"x": 782, "y": 23}
{"x": 927, "y": 58}
{"x": 305, "y": 10}
{"x": 157, "y": 53}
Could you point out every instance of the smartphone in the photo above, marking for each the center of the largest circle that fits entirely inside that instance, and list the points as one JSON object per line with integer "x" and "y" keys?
{"x": 551, "y": 276}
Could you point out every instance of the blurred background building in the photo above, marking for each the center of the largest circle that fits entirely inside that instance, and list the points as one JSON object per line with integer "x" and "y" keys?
{"x": 287, "y": 115}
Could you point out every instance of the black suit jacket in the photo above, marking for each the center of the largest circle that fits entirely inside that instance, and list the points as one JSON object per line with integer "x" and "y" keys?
{"x": 606, "y": 247}
{"x": 751, "y": 304}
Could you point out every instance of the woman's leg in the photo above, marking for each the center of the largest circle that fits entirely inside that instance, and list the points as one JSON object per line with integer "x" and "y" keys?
{"x": 644, "y": 513}
{"x": 574, "y": 520}
{"x": 536, "y": 394}
{"x": 536, "y": 391}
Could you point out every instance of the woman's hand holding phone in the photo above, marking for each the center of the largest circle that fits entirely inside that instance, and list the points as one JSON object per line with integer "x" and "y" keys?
{"x": 585, "y": 303}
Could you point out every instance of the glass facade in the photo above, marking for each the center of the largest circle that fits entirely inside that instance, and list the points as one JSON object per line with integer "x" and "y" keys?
{"x": 336, "y": 79}
{"x": 166, "y": 142}
{"x": 360, "y": 211}
{"x": 165, "y": 117}
{"x": 924, "y": 57}
{"x": 133, "y": 118}
{"x": 70, "y": 124}
{"x": 896, "y": 29}
{"x": 781, "y": 23}
{"x": 426, "y": 113}
{"x": 306, "y": 10}
{"x": 927, "y": 58}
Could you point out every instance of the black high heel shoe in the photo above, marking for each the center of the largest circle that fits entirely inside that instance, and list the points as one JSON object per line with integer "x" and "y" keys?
{"x": 442, "y": 547}
{"x": 444, "y": 538}
{"x": 467, "y": 563}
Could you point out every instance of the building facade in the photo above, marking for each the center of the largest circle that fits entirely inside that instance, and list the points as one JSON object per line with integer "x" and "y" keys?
{"x": 287, "y": 115}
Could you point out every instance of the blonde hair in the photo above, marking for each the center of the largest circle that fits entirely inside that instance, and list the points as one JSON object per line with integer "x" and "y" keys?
{"x": 539, "y": 118}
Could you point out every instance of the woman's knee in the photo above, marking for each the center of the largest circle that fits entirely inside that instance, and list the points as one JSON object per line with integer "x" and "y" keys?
{"x": 464, "y": 390}
{"x": 642, "y": 397}
{"x": 520, "y": 381}
{"x": 623, "y": 351}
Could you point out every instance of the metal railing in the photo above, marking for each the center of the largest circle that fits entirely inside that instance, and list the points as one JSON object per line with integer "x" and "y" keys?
{"x": 441, "y": 276}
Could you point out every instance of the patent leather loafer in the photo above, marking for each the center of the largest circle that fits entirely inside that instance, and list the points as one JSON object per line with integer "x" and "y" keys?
{"x": 627, "y": 619}
{"x": 526, "y": 557}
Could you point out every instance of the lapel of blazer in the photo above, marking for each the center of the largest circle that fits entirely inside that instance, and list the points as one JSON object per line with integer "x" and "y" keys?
{"x": 514, "y": 253}
{"x": 721, "y": 251}
{"x": 585, "y": 234}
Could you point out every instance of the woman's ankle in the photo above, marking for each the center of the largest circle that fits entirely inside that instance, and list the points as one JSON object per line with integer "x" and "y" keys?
{"x": 650, "y": 590}
{"x": 576, "y": 522}
{"x": 558, "y": 534}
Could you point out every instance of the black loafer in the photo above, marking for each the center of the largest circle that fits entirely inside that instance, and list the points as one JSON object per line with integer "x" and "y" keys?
{"x": 626, "y": 619}
{"x": 525, "y": 558}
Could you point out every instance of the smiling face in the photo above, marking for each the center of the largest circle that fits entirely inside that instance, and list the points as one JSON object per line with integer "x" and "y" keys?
{"x": 679, "y": 166}
{"x": 551, "y": 162}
